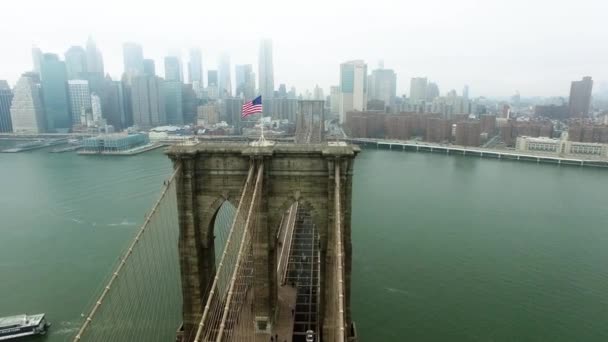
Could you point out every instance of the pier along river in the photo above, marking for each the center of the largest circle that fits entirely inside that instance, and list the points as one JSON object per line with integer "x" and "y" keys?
{"x": 446, "y": 248}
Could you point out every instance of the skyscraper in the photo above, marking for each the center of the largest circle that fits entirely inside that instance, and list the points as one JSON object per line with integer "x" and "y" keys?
{"x": 6, "y": 99}
{"x": 94, "y": 59}
{"x": 195, "y": 67}
{"x": 432, "y": 91}
{"x": 245, "y": 83}
{"x": 225, "y": 85}
{"x": 53, "y": 77}
{"x": 27, "y": 112}
{"x": 76, "y": 62}
{"x": 96, "y": 108}
{"x": 383, "y": 86}
{"x": 133, "y": 56}
{"x": 266, "y": 70}
{"x": 149, "y": 67}
{"x": 212, "y": 87}
{"x": 172, "y": 93}
{"x": 172, "y": 69}
{"x": 465, "y": 92}
{"x": 147, "y": 101}
{"x": 113, "y": 104}
{"x": 80, "y": 100}
{"x": 353, "y": 87}
{"x": 417, "y": 90}
{"x": 580, "y": 97}
{"x": 334, "y": 99}
{"x": 36, "y": 59}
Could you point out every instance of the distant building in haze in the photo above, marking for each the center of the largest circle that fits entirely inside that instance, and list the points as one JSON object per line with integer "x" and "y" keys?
{"x": 245, "y": 82}
{"x": 418, "y": 90}
{"x": 353, "y": 87}
{"x": 266, "y": 70}
{"x": 432, "y": 91}
{"x": 465, "y": 92}
{"x": 172, "y": 69}
{"x": 148, "y": 102}
{"x": 80, "y": 101}
{"x": 195, "y": 67}
{"x": 468, "y": 133}
{"x": 76, "y": 62}
{"x": 27, "y": 111}
{"x": 6, "y": 99}
{"x": 149, "y": 67}
{"x": 383, "y": 86}
{"x": 172, "y": 92}
{"x": 212, "y": 86}
{"x": 334, "y": 100}
{"x": 53, "y": 77}
{"x": 96, "y": 111}
{"x": 36, "y": 59}
{"x": 224, "y": 82}
{"x": 94, "y": 59}
{"x": 113, "y": 104}
{"x": 133, "y": 57}
{"x": 580, "y": 97}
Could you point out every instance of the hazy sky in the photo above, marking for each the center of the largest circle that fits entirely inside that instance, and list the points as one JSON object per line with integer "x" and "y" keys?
{"x": 495, "y": 46}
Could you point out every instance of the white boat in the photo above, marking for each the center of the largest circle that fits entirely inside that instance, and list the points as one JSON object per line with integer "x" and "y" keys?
{"x": 22, "y": 325}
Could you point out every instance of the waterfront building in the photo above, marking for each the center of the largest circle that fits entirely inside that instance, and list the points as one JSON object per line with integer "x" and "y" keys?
{"x": 53, "y": 77}
{"x": 116, "y": 142}
{"x": 27, "y": 111}
{"x": 561, "y": 147}
{"x": 6, "y": 99}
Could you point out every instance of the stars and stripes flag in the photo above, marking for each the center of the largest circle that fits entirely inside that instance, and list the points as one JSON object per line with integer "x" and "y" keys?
{"x": 252, "y": 107}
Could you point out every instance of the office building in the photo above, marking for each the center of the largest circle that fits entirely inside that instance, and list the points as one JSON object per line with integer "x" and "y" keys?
{"x": 266, "y": 70}
{"x": 189, "y": 103}
{"x": 148, "y": 102}
{"x": 113, "y": 104}
{"x": 133, "y": 57}
{"x": 580, "y": 97}
{"x": 383, "y": 86}
{"x": 353, "y": 87}
{"x": 96, "y": 109}
{"x": 36, "y": 59}
{"x": 224, "y": 82}
{"x": 195, "y": 67}
{"x": 245, "y": 81}
{"x": 172, "y": 69}
{"x": 212, "y": 85}
{"x": 432, "y": 91}
{"x": 150, "y": 67}
{"x": 27, "y": 111}
{"x": 172, "y": 92}
{"x": 76, "y": 62}
{"x": 418, "y": 87}
{"x": 80, "y": 101}
{"x": 465, "y": 92}
{"x": 334, "y": 100}
{"x": 208, "y": 115}
{"x": 6, "y": 99}
{"x": 94, "y": 59}
{"x": 53, "y": 77}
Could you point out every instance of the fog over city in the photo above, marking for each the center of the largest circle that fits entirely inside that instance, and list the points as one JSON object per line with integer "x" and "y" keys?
{"x": 496, "y": 47}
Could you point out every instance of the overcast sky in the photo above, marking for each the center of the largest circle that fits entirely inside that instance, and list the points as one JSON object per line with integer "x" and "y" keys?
{"x": 495, "y": 46}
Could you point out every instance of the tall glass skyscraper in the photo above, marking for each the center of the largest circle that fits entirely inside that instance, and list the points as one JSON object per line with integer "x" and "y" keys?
{"x": 266, "y": 70}
{"x": 353, "y": 87}
{"x": 225, "y": 84}
{"x": 53, "y": 77}
{"x": 80, "y": 100}
{"x": 172, "y": 91}
{"x": 195, "y": 67}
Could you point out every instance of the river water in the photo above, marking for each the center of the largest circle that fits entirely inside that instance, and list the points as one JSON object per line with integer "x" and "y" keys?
{"x": 446, "y": 248}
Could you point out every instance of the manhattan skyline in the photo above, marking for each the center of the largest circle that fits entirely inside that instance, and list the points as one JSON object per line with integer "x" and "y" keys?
{"x": 496, "y": 47}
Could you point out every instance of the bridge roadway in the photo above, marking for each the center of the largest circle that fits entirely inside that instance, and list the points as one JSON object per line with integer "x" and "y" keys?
{"x": 476, "y": 151}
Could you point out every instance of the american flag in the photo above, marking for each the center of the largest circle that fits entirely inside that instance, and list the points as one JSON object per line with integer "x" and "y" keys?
{"x": 252, "y": 107}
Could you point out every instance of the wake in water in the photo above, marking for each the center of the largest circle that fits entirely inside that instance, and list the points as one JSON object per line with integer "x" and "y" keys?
{"x": 399, "y": 291}
{"x": 124, "y": 222}
{"x": 65, "y": 328}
